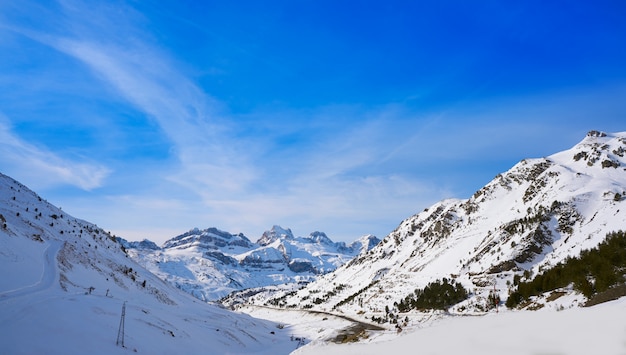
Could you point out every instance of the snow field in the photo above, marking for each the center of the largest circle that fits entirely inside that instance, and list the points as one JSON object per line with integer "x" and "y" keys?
{"x": 578, "y": 331}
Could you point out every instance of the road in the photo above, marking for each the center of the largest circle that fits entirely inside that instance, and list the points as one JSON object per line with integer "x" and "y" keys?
{"x": 355, "y": 330}
{"x": 49, "y": 274}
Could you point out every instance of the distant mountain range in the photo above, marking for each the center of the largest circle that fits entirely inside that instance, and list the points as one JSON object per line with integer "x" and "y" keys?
{"x": 212, "y": 263}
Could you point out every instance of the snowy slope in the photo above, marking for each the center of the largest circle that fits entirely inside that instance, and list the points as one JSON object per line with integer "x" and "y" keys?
{"x": 528, "y": 218}
{"x": 579, "y": 331}
{"x": 65, "y": 282}
{"x": 210, "y": 263}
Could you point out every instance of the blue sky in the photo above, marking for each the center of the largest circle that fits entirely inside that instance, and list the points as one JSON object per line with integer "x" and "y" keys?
{"x": 151, "y": 118}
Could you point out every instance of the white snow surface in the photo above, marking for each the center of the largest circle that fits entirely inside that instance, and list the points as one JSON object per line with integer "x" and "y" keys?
{"x": 579, "y": 331}
{"x": 64, "y": 282}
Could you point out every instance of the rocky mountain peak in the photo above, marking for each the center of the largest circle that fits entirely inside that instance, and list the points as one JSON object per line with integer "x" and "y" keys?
{"x": 320, "y": 238}
{"x": 365, "y": 243}
{"x": 277, "y": 232}
{"x": 210, "y": 238}
{"x": 599, "y": 149}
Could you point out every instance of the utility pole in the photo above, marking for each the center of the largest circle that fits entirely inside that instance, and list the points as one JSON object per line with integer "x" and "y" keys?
{"x": 120, "y": 331}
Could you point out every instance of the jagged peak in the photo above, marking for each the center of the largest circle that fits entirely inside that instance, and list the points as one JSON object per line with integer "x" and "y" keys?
{"x": 143, "y": 244}
{"x": 277, "y": 232}
{"x": 595, "y": 137}
{"x": 320, "y": 238}
{"x": 365, "y": 243}
{"x": 594, "y": 133}
{"x": 209, "y": 236}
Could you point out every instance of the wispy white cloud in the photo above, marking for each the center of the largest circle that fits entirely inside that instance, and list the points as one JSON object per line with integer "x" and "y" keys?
{"x": 147, "y": 78}
{"x": 40, "y": 167}
{"x": 350, "y": 167}
{"x": 501, "y": 128}
{"x": 338, "y": 206}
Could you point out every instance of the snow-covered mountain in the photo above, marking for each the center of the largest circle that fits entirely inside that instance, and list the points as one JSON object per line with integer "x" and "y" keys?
{"x": 66, "y": 281}
{"x": 525, "y": 220}
{"x": 211, "y": 263}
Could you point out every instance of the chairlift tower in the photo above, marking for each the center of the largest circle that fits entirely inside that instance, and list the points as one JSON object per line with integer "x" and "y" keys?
{"x": 120, "y": 331}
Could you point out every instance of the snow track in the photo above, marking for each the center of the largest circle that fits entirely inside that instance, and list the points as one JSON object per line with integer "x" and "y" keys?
{"x": 49, "y": 274}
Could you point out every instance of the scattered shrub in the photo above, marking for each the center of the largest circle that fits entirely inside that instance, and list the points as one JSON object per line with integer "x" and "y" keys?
{"x": 609, "y": 164}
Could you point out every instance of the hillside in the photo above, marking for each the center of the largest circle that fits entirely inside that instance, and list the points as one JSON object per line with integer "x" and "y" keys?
{"x": 525, "y": 220}
{"x": 65, "y": 282}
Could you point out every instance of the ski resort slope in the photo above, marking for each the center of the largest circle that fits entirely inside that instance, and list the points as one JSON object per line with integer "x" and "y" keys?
{"x": 578, "y": 331}
{"x": 64, "y": 282}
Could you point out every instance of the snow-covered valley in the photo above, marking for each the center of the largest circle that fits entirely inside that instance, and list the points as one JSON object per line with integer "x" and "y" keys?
{"x": 66, "y": 281}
